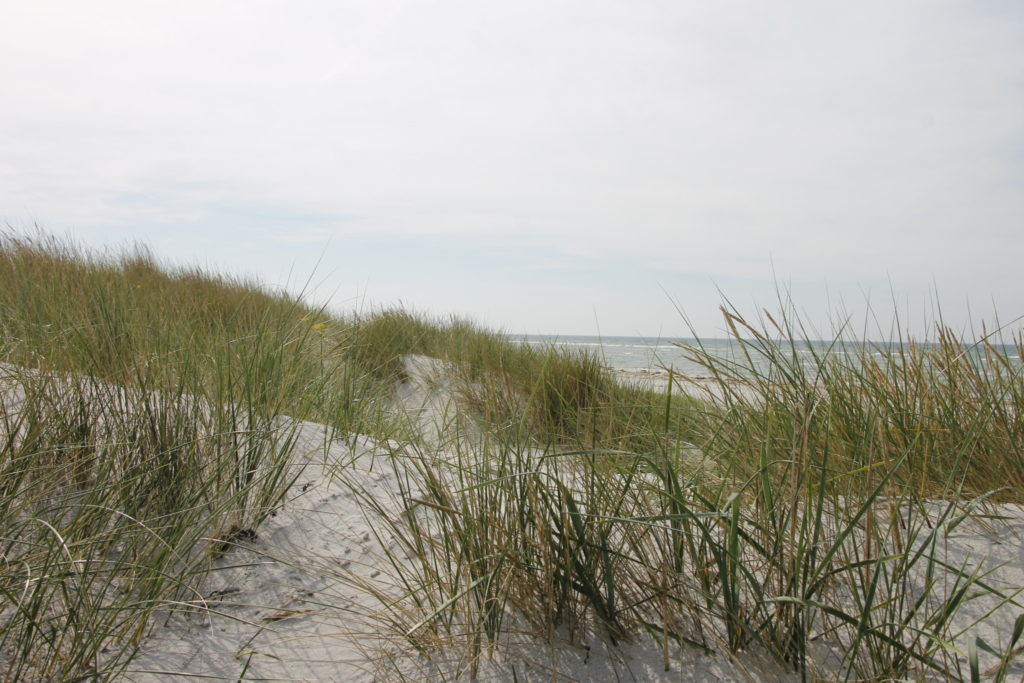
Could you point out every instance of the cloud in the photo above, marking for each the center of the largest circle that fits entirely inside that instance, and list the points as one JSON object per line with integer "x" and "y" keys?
{"x": 836, "y": 141}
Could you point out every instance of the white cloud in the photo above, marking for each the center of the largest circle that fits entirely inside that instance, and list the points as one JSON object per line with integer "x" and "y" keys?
{"x": 840, "y": 141}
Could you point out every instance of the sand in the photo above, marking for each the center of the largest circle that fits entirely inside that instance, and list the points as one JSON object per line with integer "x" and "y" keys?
{"x": 301, "y": 600}
{"x": 283, "y": 606}
{"x": 286, "y": 605}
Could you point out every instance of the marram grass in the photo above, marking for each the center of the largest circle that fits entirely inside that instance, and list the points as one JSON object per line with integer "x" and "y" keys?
{"x": 801, "y": 513}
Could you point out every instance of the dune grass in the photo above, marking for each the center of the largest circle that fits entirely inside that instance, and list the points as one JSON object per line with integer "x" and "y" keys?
{"x": 140, "y": 431}
{"x": 807, "y": 519}
{"x": 803, "y": 512}
{"x": 545, "y": 394}
{"x": 800, "y": 510}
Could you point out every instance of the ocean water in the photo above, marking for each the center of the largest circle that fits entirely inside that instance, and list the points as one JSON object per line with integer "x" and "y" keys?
{"x": 656, "y": 356}
{"x": 641, "y": 354}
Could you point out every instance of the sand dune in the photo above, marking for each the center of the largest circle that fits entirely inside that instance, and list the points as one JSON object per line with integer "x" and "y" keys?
{"x": 301, "y": 600}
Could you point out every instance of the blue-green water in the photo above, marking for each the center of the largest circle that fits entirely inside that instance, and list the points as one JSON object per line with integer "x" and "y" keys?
{"x": 638, "y": 354}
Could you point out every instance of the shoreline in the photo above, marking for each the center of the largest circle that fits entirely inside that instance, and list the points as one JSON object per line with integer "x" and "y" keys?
{"x": 704, "y": 387}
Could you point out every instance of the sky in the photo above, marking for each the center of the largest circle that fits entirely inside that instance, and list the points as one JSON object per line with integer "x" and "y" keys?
{"x": 555, "y": 166}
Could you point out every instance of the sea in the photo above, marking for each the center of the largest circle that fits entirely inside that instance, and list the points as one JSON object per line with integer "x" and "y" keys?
{"x": 642, "y": 354}
{"x": 660, "y": 355}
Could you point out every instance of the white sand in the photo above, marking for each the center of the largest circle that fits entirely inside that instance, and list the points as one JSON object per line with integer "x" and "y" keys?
{"x": 283, "y": 606}
{"x": 300, "y": 601}
{"x": 279, "y": 609}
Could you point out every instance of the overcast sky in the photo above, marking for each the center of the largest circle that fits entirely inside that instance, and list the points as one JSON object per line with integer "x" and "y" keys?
{"x": 539, "y": 166}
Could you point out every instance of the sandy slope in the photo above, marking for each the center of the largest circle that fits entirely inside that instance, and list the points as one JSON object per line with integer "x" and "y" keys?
{"x": 273, "y": 607}
{"x": 280, "y": 607}
{"x": 288, "y": 604}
